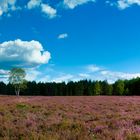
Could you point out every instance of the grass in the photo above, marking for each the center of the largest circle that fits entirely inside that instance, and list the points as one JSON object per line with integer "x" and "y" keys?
{"x": 69, "y": 118}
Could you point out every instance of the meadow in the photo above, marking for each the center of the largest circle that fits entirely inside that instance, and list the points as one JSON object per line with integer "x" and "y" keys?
{"x": 70, "y": 118}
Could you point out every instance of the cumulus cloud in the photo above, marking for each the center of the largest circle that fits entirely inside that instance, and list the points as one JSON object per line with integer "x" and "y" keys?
{"x": 7, "y": 5}
{"x": 74, "y": 3}
{"x": 45, "y": 8}
{"x": 10, "y": 5}
{"x": 62, "y": 36}
{"x": 48, "y": 10}
{"x": 33, "y": 3}
{"x": 123, "y": 4}
{"x": 23, "y": 53}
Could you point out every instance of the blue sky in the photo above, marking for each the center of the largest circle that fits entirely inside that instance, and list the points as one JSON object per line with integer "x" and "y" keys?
{"x": 63, "y": 40}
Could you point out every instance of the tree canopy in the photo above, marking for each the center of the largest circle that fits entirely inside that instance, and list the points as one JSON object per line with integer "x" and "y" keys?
{"x": 17, "y": 79}
{"x": 80, "y": 88}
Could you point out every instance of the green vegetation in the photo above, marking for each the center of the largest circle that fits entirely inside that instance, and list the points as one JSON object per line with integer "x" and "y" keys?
{"x": 22, "y": 106}
{"x": 69, "y": 118}
{"x": 17, "y": 79}
{"x": 119, "y": 87}
{"x": 97, "y": 88}
{"x": 80, "y": 88}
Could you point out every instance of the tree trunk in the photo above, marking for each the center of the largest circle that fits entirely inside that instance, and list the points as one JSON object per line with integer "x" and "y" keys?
{"x": 18, "y": 91}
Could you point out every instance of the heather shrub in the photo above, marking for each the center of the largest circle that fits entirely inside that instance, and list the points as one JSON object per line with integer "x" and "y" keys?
{"x": 133, "y": 137}
{"x": 22, "y": 106}
{"x": 69, "y": 118}
{"x": 137, "y": 122}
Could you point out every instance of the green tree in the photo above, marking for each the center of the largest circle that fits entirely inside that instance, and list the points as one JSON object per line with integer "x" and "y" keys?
{"x": 17, "y": 79}
{"x": 3, "y": 88}
{"x": 109, "y": 89}
{"x": 126, "y": 91}
{"x": 79, "y": 89}
{"x": 97, "y": 88}
{"x": 106, "y": 88}
{"x": 119, "y": 87}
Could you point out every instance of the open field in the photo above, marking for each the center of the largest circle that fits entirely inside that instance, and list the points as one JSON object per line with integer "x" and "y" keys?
{"x": 69, "y": 118}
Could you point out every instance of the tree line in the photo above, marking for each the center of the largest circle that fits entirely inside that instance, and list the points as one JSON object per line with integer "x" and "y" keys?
{"x": 80, "y": 88}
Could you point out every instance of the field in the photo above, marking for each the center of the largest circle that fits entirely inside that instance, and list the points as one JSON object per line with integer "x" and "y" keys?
{"x": 69, "y": 118}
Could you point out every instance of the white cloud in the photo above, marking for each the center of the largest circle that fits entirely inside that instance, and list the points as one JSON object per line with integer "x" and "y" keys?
{"x": 98, "y": 73}
{"x": 93, "y": 68}
{"x": 7, "y": 5}
{"x": 38, "y": 75}
{"x": 48, "y": 10}
{"x": 32, "y": 74}
{"x": 110, "y": 3}
{"x": 62, "y": 78}
{"x": 3, "y": 72}
{"x": 113, "y": 76}
{"x": 84, "y": 75}
{"x": 62, "y": 36}
{"x": 23, "y": 53}
{"x": 123, "y": 4}
{"x": 45, "y": 8}
{"x": 33, "y": 4}
{"x": 45, "y": 78}
{"x": 74, "y": 3}
{"x": 1, "y": 12}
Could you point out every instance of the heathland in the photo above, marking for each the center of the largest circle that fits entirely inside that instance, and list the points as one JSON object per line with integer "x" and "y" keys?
{"x": 69, "y": 118}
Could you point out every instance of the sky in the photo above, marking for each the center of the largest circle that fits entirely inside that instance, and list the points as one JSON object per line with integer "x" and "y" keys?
{"x": 64, "y": 40}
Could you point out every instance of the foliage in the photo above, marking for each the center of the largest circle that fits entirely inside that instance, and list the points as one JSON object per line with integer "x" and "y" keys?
{"x": 97, "y": 88}
{"x": 119, "y": 87}
{"x": 80, "y": 88}
{"x": 21, "y": 106}
{"x": 17, "y": 79}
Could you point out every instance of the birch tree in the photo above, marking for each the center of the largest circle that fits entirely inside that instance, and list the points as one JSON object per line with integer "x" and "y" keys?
{"x": 17, "y": 79}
